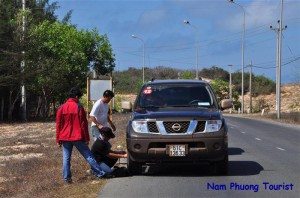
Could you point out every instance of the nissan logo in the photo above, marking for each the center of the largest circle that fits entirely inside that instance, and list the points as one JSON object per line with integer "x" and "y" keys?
{"x": 176, "y": 127}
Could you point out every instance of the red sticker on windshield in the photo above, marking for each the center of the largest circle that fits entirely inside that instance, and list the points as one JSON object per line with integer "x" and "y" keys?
{"x": 148, "y": 90}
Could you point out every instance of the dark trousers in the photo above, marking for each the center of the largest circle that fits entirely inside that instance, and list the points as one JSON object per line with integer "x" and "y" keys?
{"x": 109, "y": 161}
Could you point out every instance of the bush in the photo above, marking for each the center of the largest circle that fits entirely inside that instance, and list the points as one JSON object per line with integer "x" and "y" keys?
{"x": 118, "y": 99}
{"x": 83, "y": 101}
{"x": 260, "y": 105}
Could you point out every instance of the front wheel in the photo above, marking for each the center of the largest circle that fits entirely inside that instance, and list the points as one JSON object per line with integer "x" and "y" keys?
{"x": 133, "y": 167}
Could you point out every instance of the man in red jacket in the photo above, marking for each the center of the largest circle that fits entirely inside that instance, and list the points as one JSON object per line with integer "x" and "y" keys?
{"x": 72, "y": 130}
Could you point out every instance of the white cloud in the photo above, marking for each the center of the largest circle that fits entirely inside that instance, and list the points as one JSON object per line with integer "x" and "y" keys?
{"x": 261, "y": 13}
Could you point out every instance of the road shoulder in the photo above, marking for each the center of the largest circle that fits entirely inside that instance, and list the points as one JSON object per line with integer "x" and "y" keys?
{"x": 264, "y": 119}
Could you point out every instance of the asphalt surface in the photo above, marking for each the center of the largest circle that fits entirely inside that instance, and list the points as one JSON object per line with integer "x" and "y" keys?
{"x": 262, "y": 156}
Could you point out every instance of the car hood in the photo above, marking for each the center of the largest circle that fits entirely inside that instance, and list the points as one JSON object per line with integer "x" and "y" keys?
{"x": 180, "y": 113}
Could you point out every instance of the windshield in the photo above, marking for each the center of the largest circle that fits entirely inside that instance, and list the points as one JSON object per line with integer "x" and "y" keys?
{"x": 175, "y": 95}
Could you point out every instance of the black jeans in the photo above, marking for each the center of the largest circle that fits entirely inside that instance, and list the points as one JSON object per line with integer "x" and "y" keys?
{"x": 109, "y": 161}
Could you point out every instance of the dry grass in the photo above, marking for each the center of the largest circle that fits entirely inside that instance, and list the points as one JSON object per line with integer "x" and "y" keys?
{"x": 290, "y": 99}
{"x": 289, "y": 118}
{"x": 30, "y": 162}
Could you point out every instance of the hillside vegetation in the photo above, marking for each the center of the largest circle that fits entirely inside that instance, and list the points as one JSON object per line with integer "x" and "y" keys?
{"x": 128, "y": 82}
{"x": 290, "y": 100}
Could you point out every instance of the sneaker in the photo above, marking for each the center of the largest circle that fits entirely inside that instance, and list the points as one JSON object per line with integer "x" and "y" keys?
{"x": 94, "y": 176}
{"x": 121, "y": 172}
{"x": 89, "y": 172}
{"x": 108, "y": 176}
{"x": 68, "y": 181}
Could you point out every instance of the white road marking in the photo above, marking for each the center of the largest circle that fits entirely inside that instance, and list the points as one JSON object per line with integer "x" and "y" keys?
{"x": 258, "y": 139}
{"x": 280, "y": 148}
{"x": 243, "y": 132}
{"x": 232, "y": 127}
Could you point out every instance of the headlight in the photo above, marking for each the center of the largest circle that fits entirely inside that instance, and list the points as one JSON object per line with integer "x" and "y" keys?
{"x": 213, "y": 125}
{"x": 140, "y": 126}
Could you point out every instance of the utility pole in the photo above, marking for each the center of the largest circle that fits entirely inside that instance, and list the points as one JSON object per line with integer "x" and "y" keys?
{"x": 230, "y": 81}
{"x": 277, "y": 47}
{"x": 279, "y": 62}
{"x": 197, "y": 45}
{"x": 243, "y": 50}
{"x": 143, "y": 68}
{"x": 250, "y": 87}
{"x": 278, "y": 31}
{"x": 23, "y": 90}
{"x": 230, "y": 84}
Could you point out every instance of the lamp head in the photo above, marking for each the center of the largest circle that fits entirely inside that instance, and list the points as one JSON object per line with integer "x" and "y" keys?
{"x": 186, "y": 22}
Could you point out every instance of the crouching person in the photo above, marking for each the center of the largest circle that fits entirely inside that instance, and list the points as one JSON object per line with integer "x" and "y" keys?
{"x": 72, "y": 130}
{"x": 106, "y": 157}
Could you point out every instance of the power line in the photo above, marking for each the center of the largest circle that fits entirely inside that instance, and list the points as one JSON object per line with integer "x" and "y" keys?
{"x": 250, "y": 32}
{"x": 287, "y": 63}
{"x": 288, "y": 47}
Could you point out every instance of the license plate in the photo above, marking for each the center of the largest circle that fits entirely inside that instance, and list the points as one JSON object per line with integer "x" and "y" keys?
{"x": 176, "y": 150}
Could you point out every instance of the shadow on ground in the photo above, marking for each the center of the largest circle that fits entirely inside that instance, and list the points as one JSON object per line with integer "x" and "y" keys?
{"x": 236, "y": 168}
{"x": 235, "y": 151}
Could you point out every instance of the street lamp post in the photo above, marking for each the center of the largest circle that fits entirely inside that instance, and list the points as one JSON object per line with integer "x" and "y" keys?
{"x": 197, "y": 46}
{"x": 230, "y": 81}
{"x": 243, "y": 49}
{"x": 143, "y": 67}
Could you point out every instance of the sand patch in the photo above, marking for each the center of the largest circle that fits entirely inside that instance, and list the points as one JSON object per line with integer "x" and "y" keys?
{"x": 19, "y": 147}
{"x": 21, "y": 156}
{"x": 2, "y": 179}
{"x": 8, "y": 135}
{"x": 34, "y": 136}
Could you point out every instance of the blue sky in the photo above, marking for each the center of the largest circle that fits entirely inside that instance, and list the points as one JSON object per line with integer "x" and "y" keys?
{"x": 169, "y": 42}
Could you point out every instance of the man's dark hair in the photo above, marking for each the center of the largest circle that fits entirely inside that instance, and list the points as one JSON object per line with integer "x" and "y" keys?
{"x": 108, "y": 93}
{"x": 107, "y": 132}
{"x": 75, "y": 91}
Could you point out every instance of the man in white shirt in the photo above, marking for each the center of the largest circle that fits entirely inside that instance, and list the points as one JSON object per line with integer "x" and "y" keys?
{"x": 100, "y": 114}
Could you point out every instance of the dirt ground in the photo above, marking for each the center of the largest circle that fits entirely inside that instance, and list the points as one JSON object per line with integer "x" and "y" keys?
{"x": 31, "y": 162}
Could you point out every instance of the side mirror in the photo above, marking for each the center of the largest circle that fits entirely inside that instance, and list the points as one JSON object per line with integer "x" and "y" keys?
{"x": 226, "y": 104}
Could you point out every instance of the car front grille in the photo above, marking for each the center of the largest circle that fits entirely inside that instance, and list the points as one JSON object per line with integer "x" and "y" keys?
{"x": 152, "y": 127}
{"x": 176, "y": 127}
{"x": 200, "y": 126}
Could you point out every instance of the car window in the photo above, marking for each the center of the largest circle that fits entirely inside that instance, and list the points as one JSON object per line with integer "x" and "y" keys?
{"x": 170, "y": 95}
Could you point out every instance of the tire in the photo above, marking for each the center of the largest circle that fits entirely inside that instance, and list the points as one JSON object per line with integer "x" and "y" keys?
{"x": 134, "y": 168}
{"x": 221, "y": 167}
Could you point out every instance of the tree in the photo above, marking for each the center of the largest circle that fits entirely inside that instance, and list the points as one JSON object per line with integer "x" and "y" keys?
{"x": 129, "y": 81}
{"x": 220, "y": 88}
{"x": 263, "y": 85}
{"x": 187, "y": 75}
{"x": 62, "y": 56}
{"x": 57, "y": 55}
{"x": 13, "y": 41}
{"x": 102, "y": 56}
{"x": 214, "y": 72}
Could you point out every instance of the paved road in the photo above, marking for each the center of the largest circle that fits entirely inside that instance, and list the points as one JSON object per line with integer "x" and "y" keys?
{"x": 260, "y": 152}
